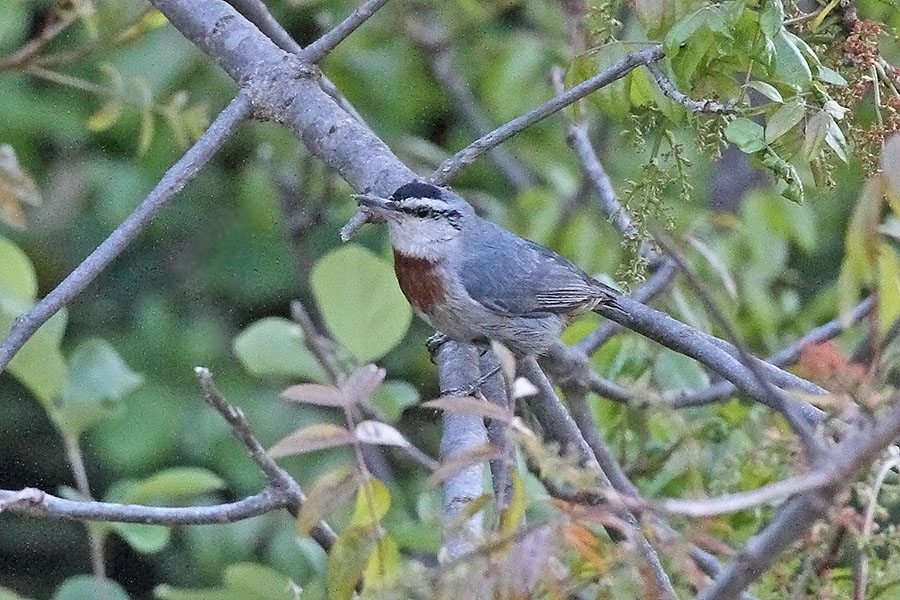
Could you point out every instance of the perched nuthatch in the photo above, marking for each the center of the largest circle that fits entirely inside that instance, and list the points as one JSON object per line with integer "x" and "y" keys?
{"x": 475, "y": 281}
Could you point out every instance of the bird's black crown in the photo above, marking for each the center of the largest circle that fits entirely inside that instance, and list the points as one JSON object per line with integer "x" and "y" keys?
{"x": 416, "y": 189}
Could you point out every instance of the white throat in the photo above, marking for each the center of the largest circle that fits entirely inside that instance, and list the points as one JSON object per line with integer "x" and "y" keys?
{"x": 423, "y": 239}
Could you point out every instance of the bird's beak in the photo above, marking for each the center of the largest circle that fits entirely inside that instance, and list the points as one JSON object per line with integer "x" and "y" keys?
{"x": 380, "y": 205}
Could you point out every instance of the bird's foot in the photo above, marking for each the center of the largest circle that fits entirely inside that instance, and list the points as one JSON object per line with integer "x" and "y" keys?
{"x": 434, "y": 343}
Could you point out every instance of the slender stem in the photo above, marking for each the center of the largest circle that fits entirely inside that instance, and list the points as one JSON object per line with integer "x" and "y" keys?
{"x": 171, "y": 183}
{"x": 279, "y": 479}
{"x": 95, "y": 537}
{"x": 325, "y": 44}
{"x": 669, "y": 89}
{"x": 37, "y": 503}
{"x": 771, "y": 395}
{"x": 467, "y": 155}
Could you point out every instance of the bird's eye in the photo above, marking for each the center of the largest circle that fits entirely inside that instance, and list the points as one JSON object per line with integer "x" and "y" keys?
{"x": 422, "y": 211}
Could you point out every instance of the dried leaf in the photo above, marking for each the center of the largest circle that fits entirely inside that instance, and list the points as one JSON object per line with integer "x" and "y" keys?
{"x": 457, "y": 462}
{"x": 381, "y": 434}
{"x": 507, "y": 361}
{"x": 469, "y": 405}
{"x": 326, "y": 495}
{"x": 16, "y": 188}
{"x": 314, "y": 393}
{"x": 527, "y": 561}
{"x": 361, "y": 383}
{"x": 308, "y": 439}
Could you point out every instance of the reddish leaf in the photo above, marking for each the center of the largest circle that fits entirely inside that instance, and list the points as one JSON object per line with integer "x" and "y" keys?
{"x": 457, "y": 462}
{"x": 361, "y": 383}
{"x": 468, "y": 405}
{"x": 315, "y": 437}
{"x": 313, "y": 393}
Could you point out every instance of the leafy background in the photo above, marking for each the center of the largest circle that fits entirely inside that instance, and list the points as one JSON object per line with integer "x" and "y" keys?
{"x": 210, "y": 282}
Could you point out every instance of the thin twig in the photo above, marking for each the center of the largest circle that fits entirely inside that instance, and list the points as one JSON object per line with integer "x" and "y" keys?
{"x": 79, "y": 472}
{"x": 325, "y": 44}
{"x": 668, "y": 88}
{"x": 561, "y": 427}
{"x": 171, "y": 183}
{"x": 709, "y": 507}
{"x": 773, "y": 397}
{"x": 280, "y": 482}
{"x": 845, "y": 460}
{"x": 786, "y": 356}
{"x": 38, "y": 503}
{"x": 432, "y": 38}
{"x": 861, "y": 573}
{"x": 467, "y": 155}
{"x": 33, "y": 47}
{"x": 623, "y": 486}
{"x": 651, "y": 288}
{"x": 320, "y": 346}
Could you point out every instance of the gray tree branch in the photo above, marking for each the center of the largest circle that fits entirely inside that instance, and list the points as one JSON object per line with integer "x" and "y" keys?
{"x": 171, "y": 183}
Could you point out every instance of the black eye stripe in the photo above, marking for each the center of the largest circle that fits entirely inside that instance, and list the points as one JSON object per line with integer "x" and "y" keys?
{"x": 453, "y": 216}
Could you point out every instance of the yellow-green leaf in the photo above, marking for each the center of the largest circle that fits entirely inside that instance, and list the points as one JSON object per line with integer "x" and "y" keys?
{"x": 348, "y": 559}
{"x": 360, "y": 300}
{"x": 372, "y": 502}
{"x": 173, "y": 486}
{"x": 384, "y": 564}
{"x": 888, "y": 288}
{"x": 513, "y": 514}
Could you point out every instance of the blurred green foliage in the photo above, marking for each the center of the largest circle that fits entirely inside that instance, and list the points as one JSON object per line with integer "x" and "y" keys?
{"x": 118, "y": 97}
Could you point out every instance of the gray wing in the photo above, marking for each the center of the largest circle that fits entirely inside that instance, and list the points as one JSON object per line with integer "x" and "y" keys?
{"x": 514, "y": 276}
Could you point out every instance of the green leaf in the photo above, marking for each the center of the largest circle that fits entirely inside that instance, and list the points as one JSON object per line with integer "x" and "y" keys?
{"x": 274, "y": 346}
{"x": 834, "y": 137}
{"x": 746, "y": 135}
{"x": 326, "y": 495}
{"x": 766, "y": 90}
{"x": 146, "y": 539}
{"x": 88, "y": 587}
{"x": 259, "y": 582}
{"x": 888, "y": 288}
{"x": 816, "y": 130}
{"x": 860, "y": 245}
{"x": 242, "y": 581}
{"x": 384, "y": 565}
{"x": 709, "y": 17}
{"x": 785, "y": 119}
{"x": 830, "y": 76}
{"x": 98, "y": 378}
{"x": 40, "y": 365}
{"x": 347, "y": 561}
{"x": 18, "y": 283}
{"x": 7, "y": 594}
{"x": 771, "y": 18}
{"x": 790, "y": 65}
{"x": 173, "y": 485}
{"x": 512, "y": 516}
{"x": 372, "y": 502}
{"x": 358, "y": 296}
{"x": 392, "y": 397}
{"x": 674, "y": 371}
{"x": 817, "y": 21}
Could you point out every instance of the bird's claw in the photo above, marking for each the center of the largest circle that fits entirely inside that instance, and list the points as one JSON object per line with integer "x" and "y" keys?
{"x": 434, "y": 343}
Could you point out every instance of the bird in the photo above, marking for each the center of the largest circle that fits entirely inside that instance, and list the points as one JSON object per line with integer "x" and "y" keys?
{"x": 477, "y": 282}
